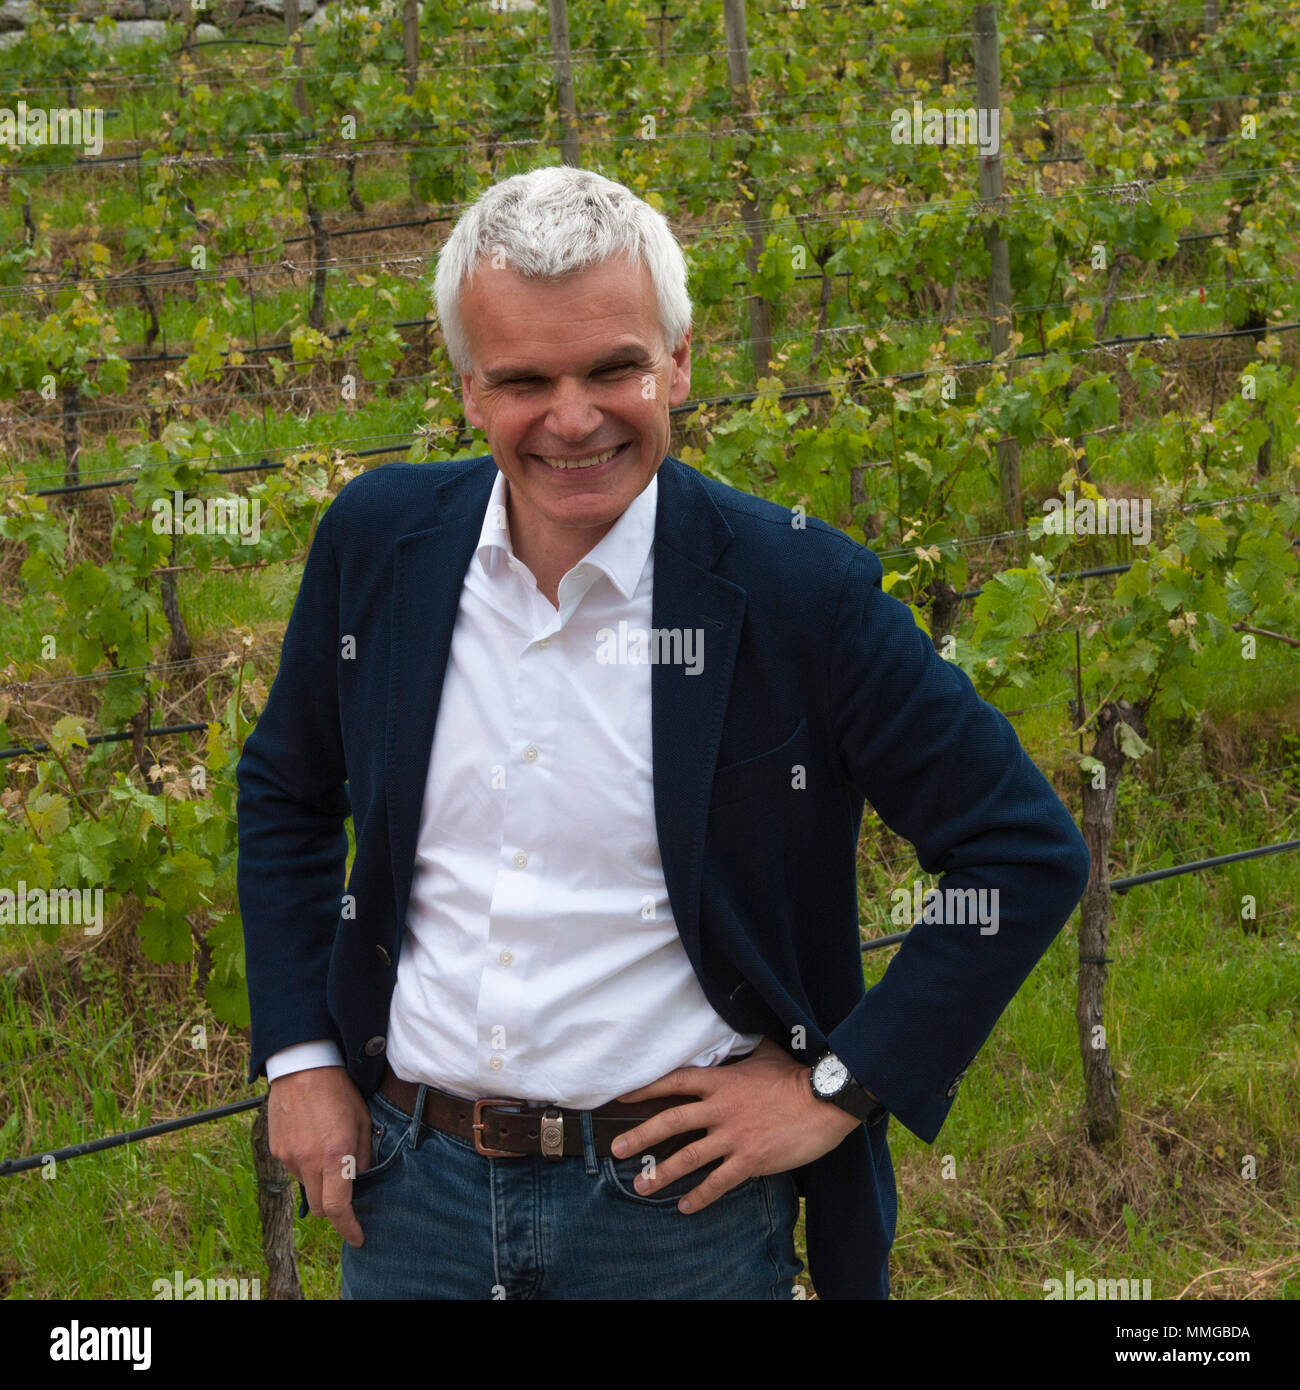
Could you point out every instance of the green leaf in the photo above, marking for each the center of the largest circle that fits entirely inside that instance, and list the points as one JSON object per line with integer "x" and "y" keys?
{"x": 164, "y": 935}
{"x": 892, "y": 578}
{"x": 48, "y": 813}
{"x": 1175, "y": 588}
{"x": 1202, "y": 539}
{"x": 227, "y": 991}
{"x": 1093, "y": 404}
{"x": 69, "y": 732}
{"x": 90, "y": 859}
{"x": 1130, "y": 741}
{"x": 179, "y": 877}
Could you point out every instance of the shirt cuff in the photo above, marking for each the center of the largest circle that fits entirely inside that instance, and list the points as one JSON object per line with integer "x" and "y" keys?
{"x": 302, "y": 1056}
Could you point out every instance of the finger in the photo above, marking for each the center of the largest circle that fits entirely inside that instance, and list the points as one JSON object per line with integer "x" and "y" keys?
{"x": 366, "y": 1131}
{"x": 682, "y": 1082}
{"x": 311, "y": 1181}
{"x": 678, "y": 1119}
{"x": 686, "y": 1160}
{"x": 716, "y": 1185}
{"x": 336, "y": 1204}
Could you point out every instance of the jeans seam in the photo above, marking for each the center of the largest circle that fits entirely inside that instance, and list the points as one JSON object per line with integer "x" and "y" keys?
{"x": 497, "y": 1282}
{"x": 773, "y": 1232}
{"x": 539, "y": 1250}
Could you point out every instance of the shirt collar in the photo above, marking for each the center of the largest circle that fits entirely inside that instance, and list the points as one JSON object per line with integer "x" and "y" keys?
{"x": 621, "y": 553}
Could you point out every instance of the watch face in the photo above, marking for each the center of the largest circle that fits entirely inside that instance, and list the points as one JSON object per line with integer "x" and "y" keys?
{"x": 829, "y": 1076}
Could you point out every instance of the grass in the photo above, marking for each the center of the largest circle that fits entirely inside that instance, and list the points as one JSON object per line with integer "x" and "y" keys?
{"x": 1205, "y": 1037}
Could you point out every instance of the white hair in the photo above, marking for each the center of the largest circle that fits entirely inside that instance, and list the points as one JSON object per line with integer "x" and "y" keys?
{"x": 553, "y": 222}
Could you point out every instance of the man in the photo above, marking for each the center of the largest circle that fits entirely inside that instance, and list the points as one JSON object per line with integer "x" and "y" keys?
{"x": 607, "y": 728}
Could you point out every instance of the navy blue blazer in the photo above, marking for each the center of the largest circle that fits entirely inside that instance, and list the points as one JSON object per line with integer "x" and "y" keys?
{"x": 817, "y": 691}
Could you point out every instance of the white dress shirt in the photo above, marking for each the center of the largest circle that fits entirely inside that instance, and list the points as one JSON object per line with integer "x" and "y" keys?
{"x": 540, "y": 959}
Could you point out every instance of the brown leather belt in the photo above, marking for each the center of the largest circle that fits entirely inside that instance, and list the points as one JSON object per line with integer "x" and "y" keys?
{"x": 500, "y": 1127}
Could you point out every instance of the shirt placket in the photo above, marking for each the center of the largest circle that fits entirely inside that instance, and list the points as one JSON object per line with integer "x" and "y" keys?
{"x": 505, "y": 1026}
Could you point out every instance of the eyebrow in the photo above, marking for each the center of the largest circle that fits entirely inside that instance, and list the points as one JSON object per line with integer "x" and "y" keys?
{"x": 631, "y": 352}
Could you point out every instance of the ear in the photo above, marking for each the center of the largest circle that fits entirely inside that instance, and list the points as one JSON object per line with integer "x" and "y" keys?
{"x": 473, "y": 414}
{"x": 680, "y": 387}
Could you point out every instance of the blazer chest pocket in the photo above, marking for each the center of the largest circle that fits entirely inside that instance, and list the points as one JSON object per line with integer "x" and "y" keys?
{"x": 764, "y": 773}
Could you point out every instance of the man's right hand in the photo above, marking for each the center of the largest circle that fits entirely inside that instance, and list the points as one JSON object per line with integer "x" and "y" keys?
{"x": 317, "y": 1119}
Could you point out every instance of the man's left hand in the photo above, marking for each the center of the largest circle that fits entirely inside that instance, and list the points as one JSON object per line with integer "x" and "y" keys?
{"x": 760, "y": 1116}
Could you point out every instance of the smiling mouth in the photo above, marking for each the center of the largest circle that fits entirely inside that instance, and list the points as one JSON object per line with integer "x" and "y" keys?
{"x": 560, "y": 465}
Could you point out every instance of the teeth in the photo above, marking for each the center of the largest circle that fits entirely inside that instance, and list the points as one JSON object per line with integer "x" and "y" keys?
{"x": 581, "y": 463}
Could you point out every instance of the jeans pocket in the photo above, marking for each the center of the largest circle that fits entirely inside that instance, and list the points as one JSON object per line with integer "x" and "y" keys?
{"x": 621, "y": 1173}
{"x": 389, "y": 1131}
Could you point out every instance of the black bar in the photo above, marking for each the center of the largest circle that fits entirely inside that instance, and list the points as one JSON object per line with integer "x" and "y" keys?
{"x": 1122, "y": 885}
{"x": 20, "y": 1165}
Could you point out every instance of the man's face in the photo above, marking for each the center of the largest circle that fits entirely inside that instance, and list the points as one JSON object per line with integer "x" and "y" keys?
{"x": 567, "y": 370}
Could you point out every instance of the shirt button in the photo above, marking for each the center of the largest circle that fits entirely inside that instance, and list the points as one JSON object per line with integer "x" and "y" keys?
{"x": 505, "y": 957}
{"x": 530, "y": 754}
{"x": 543, "y": 641}
{"x": 495, "y": 1063}
{"x": 521, "y": 861}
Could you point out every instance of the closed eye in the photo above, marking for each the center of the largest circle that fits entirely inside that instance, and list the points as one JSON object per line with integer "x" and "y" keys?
{"x": 600, "y": 371}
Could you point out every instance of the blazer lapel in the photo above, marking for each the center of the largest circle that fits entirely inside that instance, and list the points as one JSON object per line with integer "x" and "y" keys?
{"x": 687, "y": 710}
{"x": 428, "y": 573}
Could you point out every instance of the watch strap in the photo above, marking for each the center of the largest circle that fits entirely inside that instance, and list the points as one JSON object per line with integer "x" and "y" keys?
{"x": 860, "y": 1103}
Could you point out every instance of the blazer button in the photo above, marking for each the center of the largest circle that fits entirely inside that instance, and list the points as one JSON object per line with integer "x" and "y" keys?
{"x": 952, "y": 1090}
{"x": 374, "y": 1047}
{"x": 383, "y": 954}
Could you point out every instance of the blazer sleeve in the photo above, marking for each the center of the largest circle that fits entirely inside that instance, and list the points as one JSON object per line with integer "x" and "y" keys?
{"x": 946, "y": 771}
{"x": 291, "y": 808}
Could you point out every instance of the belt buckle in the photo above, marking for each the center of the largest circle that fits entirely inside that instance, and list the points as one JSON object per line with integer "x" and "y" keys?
{"x": 552, "y": 1128}
{"x": 479, "y": 1146}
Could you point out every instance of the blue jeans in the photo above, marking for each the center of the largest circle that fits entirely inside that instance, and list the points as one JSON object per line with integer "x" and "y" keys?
{"x": 442, "y": 1221}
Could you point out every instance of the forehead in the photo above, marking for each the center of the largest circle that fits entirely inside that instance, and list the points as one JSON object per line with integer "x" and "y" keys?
{"x": 621, "y": 275}
{"x": 503, "y": 311}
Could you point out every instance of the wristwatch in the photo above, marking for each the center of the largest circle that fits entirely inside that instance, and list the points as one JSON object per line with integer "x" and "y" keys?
{"x": 830, "y": 1081}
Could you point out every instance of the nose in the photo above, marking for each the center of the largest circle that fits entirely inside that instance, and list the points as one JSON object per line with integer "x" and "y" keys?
{"x": 572, "y": 416}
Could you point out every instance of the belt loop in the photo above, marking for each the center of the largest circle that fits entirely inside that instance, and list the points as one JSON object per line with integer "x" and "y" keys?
{"x": 589, "y": 1144}
{"x": 413, "y": 1135}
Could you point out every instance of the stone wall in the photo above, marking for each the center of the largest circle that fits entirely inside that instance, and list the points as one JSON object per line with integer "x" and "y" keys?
{"x": 15, "y": 14}
{"x": 145, "y": 20}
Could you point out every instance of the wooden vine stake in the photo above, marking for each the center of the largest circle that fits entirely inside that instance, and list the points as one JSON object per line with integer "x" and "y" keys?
{"x": 70, "y": 397}
{"x": 563, "y": 68}
{"x": 293, "y": 33}
{"x": 275, "y": 1194}
{"x": 320, "y": 250}
{"x": 320, "y": 243}
{"x": 760, "y": 311}
{"x": 411, "y": 67}
{"x": 1120, "y": 730}
{"x": 988, "y": 96}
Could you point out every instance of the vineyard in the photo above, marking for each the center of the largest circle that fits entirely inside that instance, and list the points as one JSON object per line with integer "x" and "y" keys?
{"x": 1046, "y": 363}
